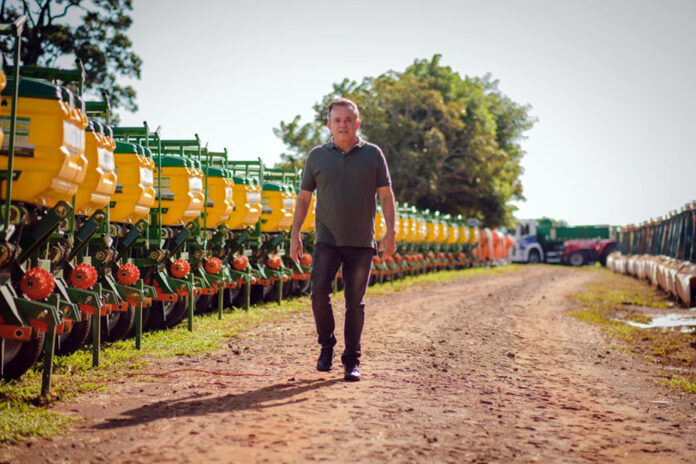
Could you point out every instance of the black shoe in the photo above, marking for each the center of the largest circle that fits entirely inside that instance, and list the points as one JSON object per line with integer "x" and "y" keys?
{"x": 352, "y": 374}
{"x": 325, "y": 360}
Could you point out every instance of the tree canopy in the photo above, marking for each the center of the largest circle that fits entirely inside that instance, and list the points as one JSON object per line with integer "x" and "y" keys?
{"x": 92, "y": 30}
{"x": 452, "y": 142}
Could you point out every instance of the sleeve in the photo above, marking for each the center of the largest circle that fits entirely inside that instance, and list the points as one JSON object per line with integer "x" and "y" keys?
{"x": 308, "y": 181}
{"x": 383, "y": 177}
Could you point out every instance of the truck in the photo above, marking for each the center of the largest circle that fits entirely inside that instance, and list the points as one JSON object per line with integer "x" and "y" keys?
{"x": 548, "y": 241}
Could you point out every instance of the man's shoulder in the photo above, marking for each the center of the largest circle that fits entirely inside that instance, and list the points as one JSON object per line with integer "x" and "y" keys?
{"x": 320, "y": 148}
{"x": 370, "y": 148}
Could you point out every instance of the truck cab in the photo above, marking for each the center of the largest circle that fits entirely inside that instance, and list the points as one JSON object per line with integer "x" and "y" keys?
{"x": 535, "y": 242}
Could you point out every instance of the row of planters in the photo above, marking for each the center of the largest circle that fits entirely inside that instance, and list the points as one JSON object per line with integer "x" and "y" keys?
{"x": 110, "y": 231}
{"x": 662, "y": 252}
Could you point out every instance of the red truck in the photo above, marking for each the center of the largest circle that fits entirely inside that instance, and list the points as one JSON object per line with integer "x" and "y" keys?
{"x": 586, "y": 251}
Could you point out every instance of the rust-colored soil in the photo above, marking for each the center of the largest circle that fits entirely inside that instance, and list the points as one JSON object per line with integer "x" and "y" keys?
{"x": 484, "y": 369}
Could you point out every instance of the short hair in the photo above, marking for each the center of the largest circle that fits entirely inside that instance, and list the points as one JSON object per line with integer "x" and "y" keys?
{"x": 344, "y": 102}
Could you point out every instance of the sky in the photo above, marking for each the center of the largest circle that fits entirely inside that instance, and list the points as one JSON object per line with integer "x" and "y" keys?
{"x": 612, "y": 83}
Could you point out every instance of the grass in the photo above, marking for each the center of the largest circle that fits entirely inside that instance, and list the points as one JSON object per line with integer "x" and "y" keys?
{"x": 611, "y": 300}
{"x": 436, "y": 277}
{"x": 23, "y": 413}
{"x": 679, "y": 382}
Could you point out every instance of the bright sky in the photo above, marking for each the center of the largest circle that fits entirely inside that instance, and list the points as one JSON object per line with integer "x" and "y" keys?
{"x": 612, "y": 83}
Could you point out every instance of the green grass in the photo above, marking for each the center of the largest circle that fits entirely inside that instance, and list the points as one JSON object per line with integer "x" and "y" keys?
{"x": 679, "y": 382}
{"x": 442, "y": 276}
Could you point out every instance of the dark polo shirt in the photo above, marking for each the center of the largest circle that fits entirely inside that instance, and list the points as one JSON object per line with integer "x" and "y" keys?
{"x": 346, "y": 185}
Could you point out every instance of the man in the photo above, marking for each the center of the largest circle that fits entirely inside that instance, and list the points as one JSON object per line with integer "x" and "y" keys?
{"x": 347, "y": 173}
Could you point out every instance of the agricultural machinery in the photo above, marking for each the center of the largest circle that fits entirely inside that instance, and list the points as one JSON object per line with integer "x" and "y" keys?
{"x": 661, "y": 251}
{"x": 107, "y": 232}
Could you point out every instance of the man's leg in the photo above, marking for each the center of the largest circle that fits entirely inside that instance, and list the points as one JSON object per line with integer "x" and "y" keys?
{"x": 324, "y": 267}
{"x": 357, "y": 264}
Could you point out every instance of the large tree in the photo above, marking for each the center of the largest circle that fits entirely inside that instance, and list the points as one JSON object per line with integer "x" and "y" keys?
{"x": 452, "y": 143}
{"x": 92, "y": 30}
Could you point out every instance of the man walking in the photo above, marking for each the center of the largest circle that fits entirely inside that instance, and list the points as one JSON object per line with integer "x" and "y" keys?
{"x": 348, "y": 174}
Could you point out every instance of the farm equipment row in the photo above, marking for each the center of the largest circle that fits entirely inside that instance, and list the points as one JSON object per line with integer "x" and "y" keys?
{"x": 663, "y": 252}
{"x": 110, "y": 231}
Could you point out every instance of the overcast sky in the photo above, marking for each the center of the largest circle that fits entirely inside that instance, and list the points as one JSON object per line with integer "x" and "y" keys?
{"x": 612, "y": 83}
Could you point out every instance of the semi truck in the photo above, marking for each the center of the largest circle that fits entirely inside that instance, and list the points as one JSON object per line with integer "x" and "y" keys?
{"x": 548, "y": 241}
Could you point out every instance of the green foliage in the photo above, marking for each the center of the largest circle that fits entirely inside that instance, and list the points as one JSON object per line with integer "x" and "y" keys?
{"x": 452, "y": 143}
{"x": 56, "y": 31}
{"x": 680, "y": 383}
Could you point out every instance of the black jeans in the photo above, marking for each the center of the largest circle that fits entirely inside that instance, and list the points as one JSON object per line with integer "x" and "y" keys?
{"x": 357, "y": 264}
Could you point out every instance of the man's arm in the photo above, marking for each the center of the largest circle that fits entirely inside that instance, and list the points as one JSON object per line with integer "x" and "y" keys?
{"x": 301, "y": 208}
{"x": 386, "y": 197}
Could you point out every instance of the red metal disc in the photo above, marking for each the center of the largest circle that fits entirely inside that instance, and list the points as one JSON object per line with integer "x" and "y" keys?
{"x": 274, "y": 261}
{"x": 306, "y": 259}
{"x": 180, "y": 268}
{"x": 37, "y": 283}
{"x": 213, "y": 265}
{"x": 240, "y": 262}
{"x": 83, "y": 276}
{"x": 128, "y": 274}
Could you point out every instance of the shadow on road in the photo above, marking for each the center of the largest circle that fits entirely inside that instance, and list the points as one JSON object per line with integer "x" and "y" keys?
{"x": 195, "y": 405}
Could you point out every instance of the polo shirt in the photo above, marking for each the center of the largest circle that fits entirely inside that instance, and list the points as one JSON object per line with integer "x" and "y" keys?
{"x": 346, "y": 185}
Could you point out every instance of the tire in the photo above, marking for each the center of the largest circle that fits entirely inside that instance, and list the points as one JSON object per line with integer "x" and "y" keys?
{"x": 231, "y": 297}
{"x": 20, "y": 356}
{"x": 116, "y": 325}
{"x": 576, "y": 259}
{"x": 164, "y": 315}
{"x": 70, "y": 342}
{"x": 534, "y": 257}
{"x": 607, "y": 250}
{"x": 204, "y": 304}
{"x": 261, "y": 293}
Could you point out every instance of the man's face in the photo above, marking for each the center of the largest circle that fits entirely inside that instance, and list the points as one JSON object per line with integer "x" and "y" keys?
{"x": 343, "y": 124}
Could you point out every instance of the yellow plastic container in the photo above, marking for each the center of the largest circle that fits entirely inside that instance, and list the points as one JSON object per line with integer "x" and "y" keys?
{"x": 452, "y": 234}
{"x": 473, "y": 235}
{"x": 50, "y": 160}
{"x": 135, "y": 194}
{"x": 277, "y": 206}
{"x": 3, "y": 83}
{"x": 444, "y": 232}
{"x": 309, "y": 224}
{"x": 100, "y": 179}
{"x": 433, "y": 228}
{"x": 181, "y": 190}
{"x": 463, "y": 235}
{"x": 220, "y": 197}
{"x": 247, "y": 204}
{"x": 380, "y": 226}
{"x": 421, "y": 230}
{"x": 398, "y": 231}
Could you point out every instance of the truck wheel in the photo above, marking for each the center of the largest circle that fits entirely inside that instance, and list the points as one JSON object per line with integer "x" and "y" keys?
{"x": 534, "y": 257}
{"x": 576, "y": 259}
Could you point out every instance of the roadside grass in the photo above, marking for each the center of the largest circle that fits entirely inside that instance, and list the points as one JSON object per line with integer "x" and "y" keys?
{"x": 442, "y": 276}
{"x": 612, "y": 300}
{"x": 23, "y": 413}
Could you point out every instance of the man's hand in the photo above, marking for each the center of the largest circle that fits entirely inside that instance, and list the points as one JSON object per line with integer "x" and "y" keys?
{"x": 295, "y": 247}
{"x": 388, "y": 245}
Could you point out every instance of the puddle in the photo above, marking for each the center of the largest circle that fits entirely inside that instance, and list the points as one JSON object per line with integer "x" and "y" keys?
{"x": 685, "y": 322}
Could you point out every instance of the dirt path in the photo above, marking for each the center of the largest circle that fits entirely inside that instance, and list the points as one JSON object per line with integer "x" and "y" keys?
{"x": 485, "y": 369}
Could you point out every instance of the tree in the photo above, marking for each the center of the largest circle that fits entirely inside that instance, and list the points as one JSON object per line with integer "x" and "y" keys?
{"x": 93, "y": 31}
{"x": 452, "y": 143}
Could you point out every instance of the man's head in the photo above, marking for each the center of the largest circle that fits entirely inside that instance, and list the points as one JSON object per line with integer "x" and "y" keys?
{"x": 344, "y": 121}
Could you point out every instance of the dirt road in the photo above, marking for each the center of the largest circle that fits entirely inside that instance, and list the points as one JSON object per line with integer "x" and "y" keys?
{"x": 483, "y": 369}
